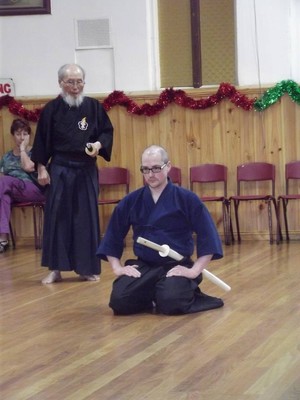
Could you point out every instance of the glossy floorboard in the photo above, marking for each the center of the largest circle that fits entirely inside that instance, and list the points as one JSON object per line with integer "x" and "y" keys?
{"x": 61, "y": 341}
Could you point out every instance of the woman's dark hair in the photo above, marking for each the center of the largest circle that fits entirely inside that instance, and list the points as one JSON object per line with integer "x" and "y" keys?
{"x": 20, "y": 124}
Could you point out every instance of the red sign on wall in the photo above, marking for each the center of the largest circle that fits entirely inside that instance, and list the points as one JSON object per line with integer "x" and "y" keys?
{"x": 7, "y": 87}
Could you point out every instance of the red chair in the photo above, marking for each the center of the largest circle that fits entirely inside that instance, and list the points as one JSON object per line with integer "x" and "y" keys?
{"x": 38, "y": 220}
{"x": 214, "y": 173}
{"x": 175, "y": 175}
{"x": 113, "y": 177}
{"x": 292, "y": 172}
{"x": 255, "y": 172}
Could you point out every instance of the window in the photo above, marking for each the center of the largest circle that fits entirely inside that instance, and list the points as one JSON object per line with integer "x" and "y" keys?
{"x": 217, "y": 42}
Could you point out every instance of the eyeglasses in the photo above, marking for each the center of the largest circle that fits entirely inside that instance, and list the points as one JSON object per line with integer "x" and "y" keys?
{"x": 72, "y": 82}
{"x": 155, "y": 169}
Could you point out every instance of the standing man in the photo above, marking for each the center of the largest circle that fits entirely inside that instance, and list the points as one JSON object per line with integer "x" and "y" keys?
{"x": 166, "y": 214}
{"x": 71, "y": 226}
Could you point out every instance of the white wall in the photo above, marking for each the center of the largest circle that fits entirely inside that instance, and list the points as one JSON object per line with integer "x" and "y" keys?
{"x": 295, "y": 40}
{"x": 264, "y": 40}
{"x": 32, "y": 48}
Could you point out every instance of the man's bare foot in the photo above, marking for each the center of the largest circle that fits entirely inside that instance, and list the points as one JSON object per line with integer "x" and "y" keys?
{"x": 54, "y": 276}
{"x": 90, "y": 277}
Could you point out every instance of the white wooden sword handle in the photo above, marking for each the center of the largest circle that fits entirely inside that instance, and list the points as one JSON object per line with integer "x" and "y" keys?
{"x": 164, "y": 251}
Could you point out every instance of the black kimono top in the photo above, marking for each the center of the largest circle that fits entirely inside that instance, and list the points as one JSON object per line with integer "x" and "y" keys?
{"x": 65, "y": 129}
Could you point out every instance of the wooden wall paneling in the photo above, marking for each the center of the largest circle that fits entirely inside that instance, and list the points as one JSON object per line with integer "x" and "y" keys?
{"x": 197, "y": 132}
{"x": 290, "y": 151}
{"x": 290, "y": 128}
{"x": 176, "y": 140}
{"x": 223, "y": 133}
{"x": 269, "y": 149}
{"x": 205, "y": 147}
{"x": 144, "y": 133}
{"x": 288, "y": 142}
{"x": 117, "y": 159}
{"x": 6, "y": 124}
{"x": 172, "y": 130}
{"x": 249, "y": 138}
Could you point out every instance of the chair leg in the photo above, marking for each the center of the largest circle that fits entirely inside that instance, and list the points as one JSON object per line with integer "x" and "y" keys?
{"x": 279, "y": 237}
{"x": 236, "y": 206}
{"x": 34, "y": 227}
{"x": 284, "y": 209}
{"x": 230, "y": 223}
{"x": 270, "y": 221}
{"x": 227, "y": 222}
{"x": 41, "y": 226}
{"x": 278, "y": 227}
{"x": 38, "y": 225}
{"x": 12, "y": 236}
{"x": 231, "y": 230}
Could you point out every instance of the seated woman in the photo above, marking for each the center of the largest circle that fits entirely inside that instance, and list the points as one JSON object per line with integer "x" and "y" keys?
{"x": 17, "y": 179}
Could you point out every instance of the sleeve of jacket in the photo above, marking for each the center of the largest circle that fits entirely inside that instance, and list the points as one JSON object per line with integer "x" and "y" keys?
{"x": 106, "y": 133}
{"x": 42, "y": 147}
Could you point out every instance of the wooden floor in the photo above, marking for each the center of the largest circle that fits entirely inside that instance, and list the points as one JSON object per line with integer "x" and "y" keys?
{"x": 62, "y": 341}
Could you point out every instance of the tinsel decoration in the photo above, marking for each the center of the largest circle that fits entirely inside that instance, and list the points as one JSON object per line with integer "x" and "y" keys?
{"x": 18, "y": 109}
{"x": 178, "y": 97}
{"x": 271, "y": 96}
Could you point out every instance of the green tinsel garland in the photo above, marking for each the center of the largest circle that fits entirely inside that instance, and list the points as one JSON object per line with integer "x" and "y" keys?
{"x": 272, "y": 95}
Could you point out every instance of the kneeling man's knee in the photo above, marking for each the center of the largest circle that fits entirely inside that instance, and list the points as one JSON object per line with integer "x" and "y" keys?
{"x": 170, "y": 304}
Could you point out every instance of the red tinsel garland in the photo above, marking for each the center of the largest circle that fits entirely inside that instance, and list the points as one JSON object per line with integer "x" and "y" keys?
{"x": 18, "y": 109}
{"x": 167, "y": 97}
{"x": 180, "y": 98}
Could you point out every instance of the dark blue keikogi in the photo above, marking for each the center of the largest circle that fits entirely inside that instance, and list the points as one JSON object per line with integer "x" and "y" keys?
{"x": 172, "y": 220}
{"x": 177, "y": 215}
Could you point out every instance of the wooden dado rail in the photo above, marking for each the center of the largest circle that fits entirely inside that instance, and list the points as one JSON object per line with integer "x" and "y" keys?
{"x": 222, "y": 134}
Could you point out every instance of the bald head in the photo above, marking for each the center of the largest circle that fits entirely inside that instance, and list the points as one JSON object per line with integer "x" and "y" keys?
{"x": 155, "y": 150}
{"x": 69, "y": 69}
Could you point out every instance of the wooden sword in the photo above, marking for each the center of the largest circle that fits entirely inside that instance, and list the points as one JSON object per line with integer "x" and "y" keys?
{"x": 164, "y": 251}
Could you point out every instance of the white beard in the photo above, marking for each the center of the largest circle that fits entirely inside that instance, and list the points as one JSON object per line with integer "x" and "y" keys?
{"x": 73, "y": 101}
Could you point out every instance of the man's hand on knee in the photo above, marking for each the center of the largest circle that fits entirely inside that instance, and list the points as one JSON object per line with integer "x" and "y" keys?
{"x": 184, "y": 272}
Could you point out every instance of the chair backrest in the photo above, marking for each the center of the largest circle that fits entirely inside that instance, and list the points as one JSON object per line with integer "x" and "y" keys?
{"x": 175, "y": 175}
{"x": 108, "y": 176}
{"x": 205, "y": 173}
{"x": 256, "y": 171}
{"x": 292, "y": 171}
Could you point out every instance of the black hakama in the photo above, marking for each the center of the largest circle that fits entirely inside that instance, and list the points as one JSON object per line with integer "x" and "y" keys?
{"x": 71, "y": 227}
